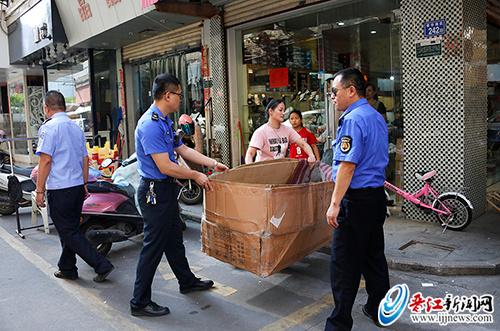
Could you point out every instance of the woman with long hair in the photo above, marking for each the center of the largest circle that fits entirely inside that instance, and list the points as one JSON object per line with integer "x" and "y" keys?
{"x": 271, "y": 140}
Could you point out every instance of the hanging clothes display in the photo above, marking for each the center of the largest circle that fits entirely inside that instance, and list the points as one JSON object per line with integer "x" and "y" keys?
{"x": 194, "y": 79}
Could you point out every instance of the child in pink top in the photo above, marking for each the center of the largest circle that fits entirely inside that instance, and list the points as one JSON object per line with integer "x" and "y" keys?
{"x": 272, "y": 139}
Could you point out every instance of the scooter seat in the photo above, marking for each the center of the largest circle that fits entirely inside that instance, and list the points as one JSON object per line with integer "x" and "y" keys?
{"x": 5, "y": 168}
{"x": 106, "y": 187}
{"x": 425, "y": 175}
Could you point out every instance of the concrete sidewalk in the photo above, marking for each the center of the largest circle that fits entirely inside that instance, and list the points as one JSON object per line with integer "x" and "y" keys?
{"x": 423, "y": 247}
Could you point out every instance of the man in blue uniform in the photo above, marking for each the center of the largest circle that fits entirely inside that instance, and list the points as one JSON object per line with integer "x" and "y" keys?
{"x": 156, "y": 142}
{"x": 357, "y": 208}
{"x": 63, "y": 170}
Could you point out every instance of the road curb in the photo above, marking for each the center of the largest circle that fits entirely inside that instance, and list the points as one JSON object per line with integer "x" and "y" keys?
{"x": 463, "y": 268}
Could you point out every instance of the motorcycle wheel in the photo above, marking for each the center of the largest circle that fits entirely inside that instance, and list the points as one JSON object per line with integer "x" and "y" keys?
{"x": 191, "y": 196}
{"x": 103, "y": 248}
{"x": 7, "y": 209}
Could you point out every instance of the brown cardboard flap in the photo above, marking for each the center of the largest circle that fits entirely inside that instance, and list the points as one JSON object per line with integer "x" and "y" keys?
{"x": 270, "y": 172}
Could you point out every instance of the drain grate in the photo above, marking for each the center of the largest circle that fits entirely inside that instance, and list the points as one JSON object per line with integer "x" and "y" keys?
{"x": 426, "y": 249}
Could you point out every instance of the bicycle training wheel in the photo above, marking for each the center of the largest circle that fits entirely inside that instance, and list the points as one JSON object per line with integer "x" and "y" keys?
{"x": 461, "y": 213}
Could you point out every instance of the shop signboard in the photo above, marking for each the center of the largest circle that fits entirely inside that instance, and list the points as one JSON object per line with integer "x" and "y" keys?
{"x": 84, "y": 19}
{"x": 428, "y": 47}
{"x": 434, "y": 28}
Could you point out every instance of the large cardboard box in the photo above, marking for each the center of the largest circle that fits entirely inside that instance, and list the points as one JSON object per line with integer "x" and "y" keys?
{"x": 255, "y": 221}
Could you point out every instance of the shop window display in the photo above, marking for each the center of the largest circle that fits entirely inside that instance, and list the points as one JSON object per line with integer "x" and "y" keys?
{"x": 293, "y": 59}
{"x": 71, "y": 78}
{"x": 187, "y": 68}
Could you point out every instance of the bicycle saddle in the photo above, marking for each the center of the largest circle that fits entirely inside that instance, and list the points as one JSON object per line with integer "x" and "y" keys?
{"x": 425, "y": 175}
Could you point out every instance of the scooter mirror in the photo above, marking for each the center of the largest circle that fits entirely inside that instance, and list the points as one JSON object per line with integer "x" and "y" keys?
{"x": 106, "y": 163}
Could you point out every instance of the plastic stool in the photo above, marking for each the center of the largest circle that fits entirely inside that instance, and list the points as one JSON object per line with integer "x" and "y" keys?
{"x": 35, "y": 210}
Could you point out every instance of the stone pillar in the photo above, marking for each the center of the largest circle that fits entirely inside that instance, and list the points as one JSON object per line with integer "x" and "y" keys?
{"x": 445, "y": 99}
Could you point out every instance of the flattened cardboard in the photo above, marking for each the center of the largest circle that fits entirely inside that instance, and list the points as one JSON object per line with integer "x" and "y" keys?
{"x": 256, "y": 222}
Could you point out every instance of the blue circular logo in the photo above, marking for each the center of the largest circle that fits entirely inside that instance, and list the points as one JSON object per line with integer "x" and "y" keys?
{"x": 390, "y": 310}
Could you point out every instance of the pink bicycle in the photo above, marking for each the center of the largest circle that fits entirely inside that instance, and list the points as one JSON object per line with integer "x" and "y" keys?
{"x": 453, "y": 209}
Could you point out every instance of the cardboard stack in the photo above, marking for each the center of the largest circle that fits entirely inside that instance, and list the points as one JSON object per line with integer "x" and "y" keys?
{"x": 255, "y": 220}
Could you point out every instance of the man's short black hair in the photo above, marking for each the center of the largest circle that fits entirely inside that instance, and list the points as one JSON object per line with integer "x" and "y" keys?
{"x": 352, "y": 77}
{"x": 164, "y": 83}
{"x": 55, "y": 100}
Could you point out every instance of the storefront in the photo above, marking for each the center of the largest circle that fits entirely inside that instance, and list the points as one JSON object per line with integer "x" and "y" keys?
{"x": 88, "y": 81}
{"x": 292, "y": 55}
{"x": 34, "y": 37}
{"x": 427, "y": 61}
{"x": 177, "y": 52}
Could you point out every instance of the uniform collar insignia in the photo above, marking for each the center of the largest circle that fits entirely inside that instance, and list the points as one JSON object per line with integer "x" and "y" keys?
{"x": 48, "y": 119}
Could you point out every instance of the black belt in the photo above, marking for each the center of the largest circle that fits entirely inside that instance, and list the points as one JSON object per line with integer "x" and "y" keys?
{"x": 169, "y": 180}
{"x": 366, "y": 191}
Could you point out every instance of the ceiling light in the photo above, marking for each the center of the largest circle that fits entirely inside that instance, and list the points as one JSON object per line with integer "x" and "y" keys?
{"x": 391, "y": 78}
{"x": 341, "y": 23}
{"x": 33, "y": 64}
{"x": 373, "y": 31}
{"x": 102, "y": 77}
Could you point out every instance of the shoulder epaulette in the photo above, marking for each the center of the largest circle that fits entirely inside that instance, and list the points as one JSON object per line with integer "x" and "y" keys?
{"x": 155, "y": 117}
{"x": 48, "y": 119}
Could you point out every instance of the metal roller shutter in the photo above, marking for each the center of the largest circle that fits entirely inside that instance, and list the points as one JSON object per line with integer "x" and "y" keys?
{"x": 241, "y": 11}
{"x": 188, "y": 36}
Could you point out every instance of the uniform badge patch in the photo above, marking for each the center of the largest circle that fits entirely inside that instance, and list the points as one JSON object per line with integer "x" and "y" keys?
{"x": 155, "y": 117}
{"x": 345, "y": 144}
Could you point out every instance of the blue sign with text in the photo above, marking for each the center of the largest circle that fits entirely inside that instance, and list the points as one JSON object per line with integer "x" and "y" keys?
{"x": 434, "y": 28}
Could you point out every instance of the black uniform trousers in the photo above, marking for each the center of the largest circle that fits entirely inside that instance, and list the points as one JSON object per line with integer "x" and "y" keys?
{"x": 162, "y": 235}
{"x": 65, "y": 208}
{"x": 358, "y": 249}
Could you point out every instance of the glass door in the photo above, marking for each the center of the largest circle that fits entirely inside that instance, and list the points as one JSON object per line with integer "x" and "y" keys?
{"x": 17, "y": 104}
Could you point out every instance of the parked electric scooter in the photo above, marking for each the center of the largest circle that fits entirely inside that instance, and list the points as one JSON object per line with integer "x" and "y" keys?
{"x": 111, "y": 213}
{"x": 191, "y": 193}
{"x": 23, "y": 176}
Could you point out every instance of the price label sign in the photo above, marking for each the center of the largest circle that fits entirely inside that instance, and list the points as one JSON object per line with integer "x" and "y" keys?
{"x": 434, "y": 28}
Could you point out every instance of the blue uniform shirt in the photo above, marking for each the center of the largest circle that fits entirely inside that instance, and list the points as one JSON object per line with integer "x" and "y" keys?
{"x": 154, "y": 134}
{"x": 64, "y": 141}
{"x": 362, "y": 139}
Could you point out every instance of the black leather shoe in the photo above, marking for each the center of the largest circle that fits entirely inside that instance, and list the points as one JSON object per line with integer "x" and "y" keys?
{"x": 152, "y": 309}
{"x": 60, "y": 274}
{"x": 99, "y": 278}
{"x": 372, "y": 317}
{"x": 198, "y": 285}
